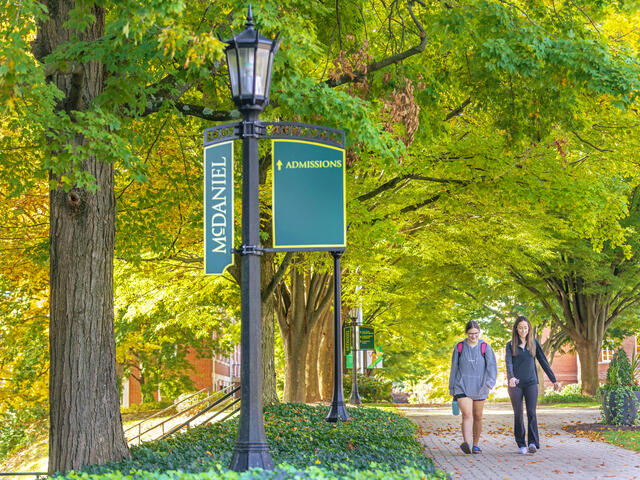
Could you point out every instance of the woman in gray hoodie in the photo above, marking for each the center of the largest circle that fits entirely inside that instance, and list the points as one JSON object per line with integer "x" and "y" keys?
{"x": 473, "y": 374}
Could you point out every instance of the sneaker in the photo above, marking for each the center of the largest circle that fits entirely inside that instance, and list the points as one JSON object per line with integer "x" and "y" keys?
{"x": 532, "y": 448}
{"x": 523, "y": 450}
{"x": 476, "y": 449}
{"x": 464, "y": 446}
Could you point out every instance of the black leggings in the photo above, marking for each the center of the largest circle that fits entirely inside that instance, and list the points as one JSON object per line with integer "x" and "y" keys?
{"x": 530, "y": 395}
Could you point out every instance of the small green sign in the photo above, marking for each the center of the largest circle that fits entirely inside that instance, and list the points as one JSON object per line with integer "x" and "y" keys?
{"x": 346, "y": 339}
{"x": 367, "y": 340}
{"x": 308, "y": 195}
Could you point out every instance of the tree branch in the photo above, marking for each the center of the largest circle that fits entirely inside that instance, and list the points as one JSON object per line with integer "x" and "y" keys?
{"x": 156, "y": 103}
{"x": 277, "y": 277}
{"x": 399, "y": 57}
{"x": 589, "y": 143}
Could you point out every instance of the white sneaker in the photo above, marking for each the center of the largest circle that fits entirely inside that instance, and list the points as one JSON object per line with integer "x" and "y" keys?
{"x": 523, "y": 450}
{"x": 532, "y": 448}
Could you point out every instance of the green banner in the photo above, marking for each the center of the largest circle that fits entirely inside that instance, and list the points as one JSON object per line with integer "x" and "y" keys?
{"x": 308, "y": 195}
{"x": 367, "y": 338}
{"x": 346, "y": 339}
{"x": 218, "y": 207}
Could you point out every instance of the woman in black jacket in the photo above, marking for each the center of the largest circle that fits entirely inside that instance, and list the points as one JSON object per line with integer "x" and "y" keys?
{"x": 523, "y": 381}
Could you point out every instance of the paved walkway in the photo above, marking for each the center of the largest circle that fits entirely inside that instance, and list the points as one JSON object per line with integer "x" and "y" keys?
{"x": 561, "y": 456}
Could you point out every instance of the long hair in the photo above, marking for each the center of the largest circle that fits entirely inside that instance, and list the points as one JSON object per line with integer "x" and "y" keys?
{"x": 515, "y": 338}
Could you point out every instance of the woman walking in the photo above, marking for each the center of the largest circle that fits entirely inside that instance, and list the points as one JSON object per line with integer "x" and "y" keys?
{"x": 473, "y": 374}
{"x": 523, "y": 382}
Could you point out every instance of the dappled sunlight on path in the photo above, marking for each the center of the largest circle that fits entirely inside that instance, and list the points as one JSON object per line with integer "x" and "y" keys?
{"x": 562, "y": 455}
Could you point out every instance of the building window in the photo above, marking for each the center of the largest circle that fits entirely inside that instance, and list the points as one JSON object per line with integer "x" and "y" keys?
{"x": 606, "y": 355}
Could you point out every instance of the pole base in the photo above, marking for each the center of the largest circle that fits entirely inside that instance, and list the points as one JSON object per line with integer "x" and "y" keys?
{"x": 251, "y": 455}
{"x": 355, "y": 400}
{"x": 338, "y": 413}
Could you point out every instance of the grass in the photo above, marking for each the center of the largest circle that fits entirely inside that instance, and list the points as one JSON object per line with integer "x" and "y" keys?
{"x": 585, "y": 404}
{"x": 627, "y": 439}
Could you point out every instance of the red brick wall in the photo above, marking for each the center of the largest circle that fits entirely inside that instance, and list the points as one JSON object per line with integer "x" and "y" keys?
{"x": 202, "y": 376}
{"x": 565, "y": 365}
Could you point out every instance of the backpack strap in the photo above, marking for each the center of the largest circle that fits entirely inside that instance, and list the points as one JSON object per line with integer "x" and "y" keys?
{"x": 483, "y": 347}
{"x": 459, "y": 348}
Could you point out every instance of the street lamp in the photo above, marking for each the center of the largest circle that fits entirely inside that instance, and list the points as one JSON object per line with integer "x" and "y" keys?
{"x": 354, "y": 399}
{"x": 250, "y": 59}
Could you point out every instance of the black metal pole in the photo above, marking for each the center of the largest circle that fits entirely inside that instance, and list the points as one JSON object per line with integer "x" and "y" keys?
{"x": 355, "y": 395}
{"x": 338, "y": 411}
{"x": 252, "y": 450}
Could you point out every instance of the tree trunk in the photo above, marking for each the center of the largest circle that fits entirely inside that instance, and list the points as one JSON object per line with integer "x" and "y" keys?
{"x": 325, "y": 357}
{"x": 269, "y": 390}
{"x": 295, "y": 341}
{"x": 588, "y": 354}
{"x": 300, "y": 305}
{"x": 311, "y": 370}
{"x": 295, "y": 351}
{"x": 85, "y": 422}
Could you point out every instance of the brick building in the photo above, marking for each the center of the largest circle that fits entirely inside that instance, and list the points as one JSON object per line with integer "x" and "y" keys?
{"x": 566, "y": 366}
{"x": 214, "y": 373}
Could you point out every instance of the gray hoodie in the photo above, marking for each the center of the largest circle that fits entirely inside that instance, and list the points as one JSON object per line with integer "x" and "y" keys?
{"x": 471, "y": 374}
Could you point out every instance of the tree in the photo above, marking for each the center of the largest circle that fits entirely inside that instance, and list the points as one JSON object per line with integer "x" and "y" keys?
{"x": 591, "y": 289}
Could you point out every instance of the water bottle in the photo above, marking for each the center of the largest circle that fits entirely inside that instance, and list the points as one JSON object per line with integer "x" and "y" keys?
{"x": 455, "y": 409}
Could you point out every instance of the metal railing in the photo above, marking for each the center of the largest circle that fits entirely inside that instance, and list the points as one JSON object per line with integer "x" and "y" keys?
{"x": 37, "y": 475}
{"x": 159, "y": 413}
{"x": 229, "y": 395}
{"x": 162, "y": 424}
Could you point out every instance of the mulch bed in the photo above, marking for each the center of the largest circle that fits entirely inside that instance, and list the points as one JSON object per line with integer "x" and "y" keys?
{"x": 599, "y": 427}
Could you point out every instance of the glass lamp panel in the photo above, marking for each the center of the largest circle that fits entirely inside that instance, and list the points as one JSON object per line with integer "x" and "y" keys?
{"x": 232, "y": 63}
{"x": 247, "y": 57}
{"x": 262, "y": 69}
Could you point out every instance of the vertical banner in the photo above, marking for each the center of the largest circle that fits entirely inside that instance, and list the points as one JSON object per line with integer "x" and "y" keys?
{"x": 366, "y": 338}
{"x": 308, "y": 195}
{"x": 346, "y": 339}
{"x": 218, "y": 207}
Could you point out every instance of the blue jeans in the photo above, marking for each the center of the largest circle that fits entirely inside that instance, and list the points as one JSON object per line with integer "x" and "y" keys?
{"x": 530, "y": 395}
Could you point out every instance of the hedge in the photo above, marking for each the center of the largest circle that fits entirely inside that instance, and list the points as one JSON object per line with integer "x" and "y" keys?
{"x": 374, "y": 442}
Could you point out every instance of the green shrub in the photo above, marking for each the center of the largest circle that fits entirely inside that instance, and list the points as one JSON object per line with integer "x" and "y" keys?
{"x": 619, "y": 372}
{"x": 371, "y": 389}
{"x": 618, "y": 401}
{"x": 298, "y": 436}
{"x": 376, "y": 472}
{"x": 569, "y": 394}
{"x": 147, "y": 407}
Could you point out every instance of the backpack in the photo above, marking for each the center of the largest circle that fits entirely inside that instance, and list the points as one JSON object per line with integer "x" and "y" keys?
{"x": 483, "y": 350}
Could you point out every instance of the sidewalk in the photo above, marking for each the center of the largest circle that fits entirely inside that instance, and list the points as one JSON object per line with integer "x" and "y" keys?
{"x": 561, "y": 456}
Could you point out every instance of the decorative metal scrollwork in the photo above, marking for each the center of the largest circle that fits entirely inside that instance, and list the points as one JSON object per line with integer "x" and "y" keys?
{"x": 282, "y": 130}
{"x": 304, "y": 131}
{"x": 221, "y": 133}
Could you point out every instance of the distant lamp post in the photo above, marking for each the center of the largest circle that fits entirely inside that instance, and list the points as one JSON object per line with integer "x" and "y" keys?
{"x": 354, "y": 399}
{"x": 250, "y": 59}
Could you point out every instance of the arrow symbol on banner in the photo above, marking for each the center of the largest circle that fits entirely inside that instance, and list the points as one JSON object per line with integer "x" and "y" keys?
{"x": 279, "y": 164}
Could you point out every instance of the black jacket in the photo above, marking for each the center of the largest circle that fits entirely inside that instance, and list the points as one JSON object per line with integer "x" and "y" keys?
{"x": 523, "y": 366}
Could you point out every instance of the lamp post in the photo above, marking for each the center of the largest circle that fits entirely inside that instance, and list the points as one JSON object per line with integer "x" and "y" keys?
{"x": 250, "y": 60}
{"x": 338, "y": 411}
{"x": 355, "y": 395}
